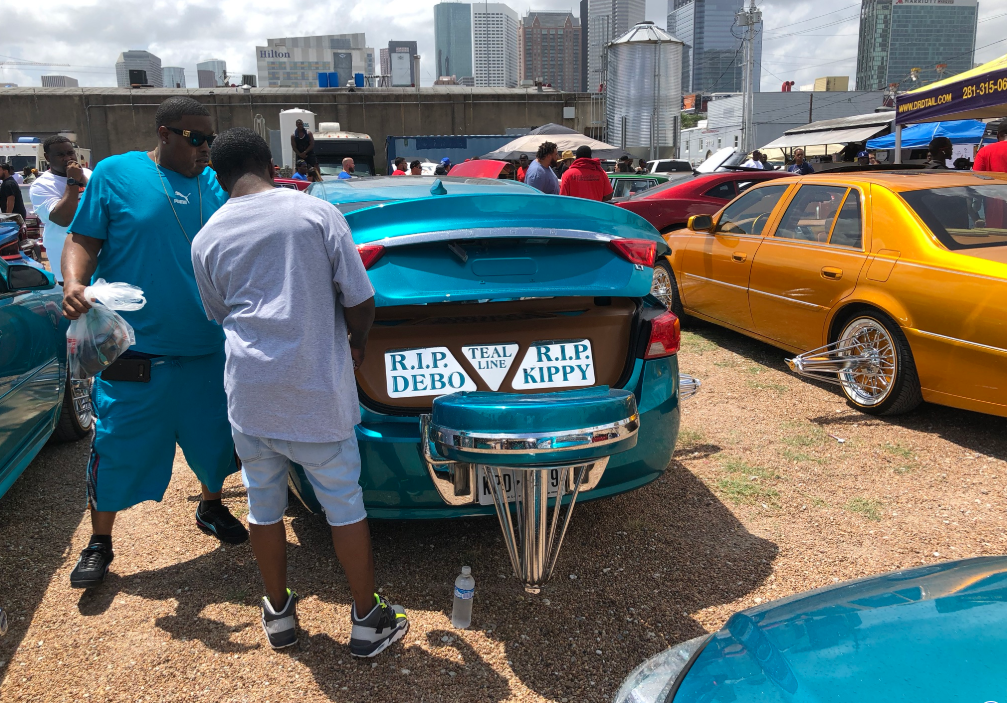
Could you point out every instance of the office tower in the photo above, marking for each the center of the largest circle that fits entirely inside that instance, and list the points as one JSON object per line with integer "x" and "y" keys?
{"x": 453, "y": 40}
{"x": 249, "y": 79}
{"x": 402, "y": 67}
{"x": 713, "y": 59}
{"x": 212, "y": 73}
{"x": 59, "y": 82}
{"x": 136, "y": 67}
{"x": 173, "y": 77}
{"x": 386, "y": 63}
{"x": 608, "y": 20}
{"x": 896, "y": 37}
{"x": 583, "y": 44}
{"x": 550, "y": 49}
{"x": 295, "y": 62}
{"x": 494, "y": 45}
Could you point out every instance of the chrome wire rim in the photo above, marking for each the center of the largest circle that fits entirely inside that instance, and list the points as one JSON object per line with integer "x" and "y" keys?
{"x": 661, "y": 287}
{"x": 869, "y": 383}
{"x": 80, "y": 395}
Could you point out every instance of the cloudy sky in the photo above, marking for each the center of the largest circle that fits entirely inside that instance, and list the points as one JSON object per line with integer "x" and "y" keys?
{"x": 803, "y": 38}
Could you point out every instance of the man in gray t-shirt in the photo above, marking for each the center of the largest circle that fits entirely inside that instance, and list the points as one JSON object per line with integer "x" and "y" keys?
{"x": 279, "y": 271}
{"x": 540, "y": 174}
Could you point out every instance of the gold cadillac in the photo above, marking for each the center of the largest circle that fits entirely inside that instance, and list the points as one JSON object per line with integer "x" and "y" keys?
{"x": 892, "y": 285}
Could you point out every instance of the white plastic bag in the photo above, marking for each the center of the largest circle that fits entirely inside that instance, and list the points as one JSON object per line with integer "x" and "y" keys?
{"x": 98, "y": 337}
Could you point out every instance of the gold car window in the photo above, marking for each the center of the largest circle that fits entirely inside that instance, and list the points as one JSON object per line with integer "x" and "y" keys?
{"x": 750, "y": 212}
{"x": 964, "y": 217}
{"x": 810, "y": 215}
{"x": 848, "y": 230}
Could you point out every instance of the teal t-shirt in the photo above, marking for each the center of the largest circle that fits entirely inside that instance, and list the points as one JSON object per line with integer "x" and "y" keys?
{"x": 140, "y": 216}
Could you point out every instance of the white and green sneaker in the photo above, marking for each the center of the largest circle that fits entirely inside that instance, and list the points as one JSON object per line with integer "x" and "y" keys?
{"x": 280, "y": 627}
{"x": 379, "y": 629}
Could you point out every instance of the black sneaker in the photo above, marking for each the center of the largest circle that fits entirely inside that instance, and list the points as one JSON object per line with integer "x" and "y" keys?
{"x": 280, "y": 627}
{"x": 92, "y": 565}
{"x": 217, "y": 520}
{"x": 379, "y": 629}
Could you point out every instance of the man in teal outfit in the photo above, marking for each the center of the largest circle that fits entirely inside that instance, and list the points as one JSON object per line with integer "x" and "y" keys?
{"x": 135, "y": 224}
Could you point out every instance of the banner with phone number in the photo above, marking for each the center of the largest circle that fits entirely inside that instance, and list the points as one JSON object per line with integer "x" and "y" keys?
{"x": 949, "y": 100}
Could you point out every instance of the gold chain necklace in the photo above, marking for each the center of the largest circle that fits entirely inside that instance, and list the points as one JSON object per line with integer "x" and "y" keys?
{"x": 161, "y": 179}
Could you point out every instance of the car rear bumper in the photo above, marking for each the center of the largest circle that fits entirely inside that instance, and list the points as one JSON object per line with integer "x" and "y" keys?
{"x": 397, "y": 485}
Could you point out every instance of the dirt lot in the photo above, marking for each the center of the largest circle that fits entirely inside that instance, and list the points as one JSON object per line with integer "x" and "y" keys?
{"x": 777, "y": 487}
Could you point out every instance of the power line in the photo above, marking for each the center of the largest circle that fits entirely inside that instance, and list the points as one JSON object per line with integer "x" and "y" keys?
{"x": 841, "y": 9}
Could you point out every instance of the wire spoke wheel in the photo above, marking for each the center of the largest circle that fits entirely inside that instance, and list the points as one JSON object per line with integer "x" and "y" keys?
{"x": 661, "y": 288}
{"x": 80, "y": 393}
{"x": 871, "y": 382}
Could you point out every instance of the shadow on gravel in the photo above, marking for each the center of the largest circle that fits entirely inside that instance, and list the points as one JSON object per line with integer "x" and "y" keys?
{"x": 38, "y": 517}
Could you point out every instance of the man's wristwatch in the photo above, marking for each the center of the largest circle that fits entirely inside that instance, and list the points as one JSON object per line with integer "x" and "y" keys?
{"x": 72, "y": 182}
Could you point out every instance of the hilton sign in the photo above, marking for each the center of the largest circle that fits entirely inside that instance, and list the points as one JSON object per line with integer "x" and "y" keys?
{"x": 273, "y": 54}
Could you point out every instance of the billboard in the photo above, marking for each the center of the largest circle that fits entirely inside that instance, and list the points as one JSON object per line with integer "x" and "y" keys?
{"x": 402, "y": 69}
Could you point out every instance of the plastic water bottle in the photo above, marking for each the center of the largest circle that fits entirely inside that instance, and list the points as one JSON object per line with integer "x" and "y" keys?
{"x": 465, "y": 588}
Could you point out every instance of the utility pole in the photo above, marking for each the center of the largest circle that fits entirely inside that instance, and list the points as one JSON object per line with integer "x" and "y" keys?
{"x": 748, "y": 19}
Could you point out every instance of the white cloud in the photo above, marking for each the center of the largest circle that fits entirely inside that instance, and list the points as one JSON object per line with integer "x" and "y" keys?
{"x": 89, "y": 35}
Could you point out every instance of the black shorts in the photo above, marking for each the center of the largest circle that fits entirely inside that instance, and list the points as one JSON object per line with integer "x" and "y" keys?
{"x": 310, "y": 160}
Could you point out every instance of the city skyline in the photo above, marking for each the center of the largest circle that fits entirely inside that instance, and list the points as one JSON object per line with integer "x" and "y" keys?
{"x": 802, "y": 40}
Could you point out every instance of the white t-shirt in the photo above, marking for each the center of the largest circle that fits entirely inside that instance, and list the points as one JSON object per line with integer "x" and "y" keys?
{"x": 45, "y": 192}
{"x": 752, "y": 163}
{"x": 276, "y": 269}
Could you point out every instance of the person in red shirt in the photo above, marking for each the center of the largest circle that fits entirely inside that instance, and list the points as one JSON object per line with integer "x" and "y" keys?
{"x": 993, "y": 157}
{"x": 586, "y": 178}
{"x": 522, "y": 167}
{"x": 400, "y": 167}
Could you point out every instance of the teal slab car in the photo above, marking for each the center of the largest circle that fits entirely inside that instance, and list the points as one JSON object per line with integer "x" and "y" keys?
{"x": 927, "y": 634}
{"x": 494, "y": 292}
{"x": 35, "y": 404}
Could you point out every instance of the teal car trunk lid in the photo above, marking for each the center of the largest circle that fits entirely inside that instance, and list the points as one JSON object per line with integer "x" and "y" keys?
{"x": 481, "y": 247}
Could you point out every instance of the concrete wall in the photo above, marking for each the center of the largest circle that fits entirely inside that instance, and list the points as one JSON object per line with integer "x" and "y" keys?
{"x": 114, "y": 120}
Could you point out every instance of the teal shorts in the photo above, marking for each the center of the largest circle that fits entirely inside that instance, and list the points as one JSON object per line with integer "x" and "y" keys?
{"x": 137, "y": 426}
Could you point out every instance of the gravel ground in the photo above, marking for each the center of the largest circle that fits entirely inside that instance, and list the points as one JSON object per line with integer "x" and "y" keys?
{"x": 777, "y": 487}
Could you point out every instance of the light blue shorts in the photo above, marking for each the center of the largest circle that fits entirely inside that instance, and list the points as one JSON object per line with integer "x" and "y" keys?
{"x": 333, "y": 468}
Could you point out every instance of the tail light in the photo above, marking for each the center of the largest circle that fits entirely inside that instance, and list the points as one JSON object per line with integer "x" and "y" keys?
{"x": 635, "y": 251}
{"x": 370, "y": 253}
{"x": 665, "y": 336}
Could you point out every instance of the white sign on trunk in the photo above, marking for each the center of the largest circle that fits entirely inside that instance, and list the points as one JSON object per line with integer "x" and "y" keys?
{"x": 557, "y": 364}
{"x": 492, "y": 361}
{"x": 411, "y": 373}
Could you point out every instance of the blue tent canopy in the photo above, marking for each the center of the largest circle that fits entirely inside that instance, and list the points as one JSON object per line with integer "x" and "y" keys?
{"x": 918, "y": 136}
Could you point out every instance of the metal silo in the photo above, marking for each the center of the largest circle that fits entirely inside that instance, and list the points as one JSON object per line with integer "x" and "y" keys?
{"x": 644, "y": 89}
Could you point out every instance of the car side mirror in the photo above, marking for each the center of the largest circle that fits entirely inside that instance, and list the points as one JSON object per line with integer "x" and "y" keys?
{"x": 700, "y": 223}
{"x": 22, "y": 277}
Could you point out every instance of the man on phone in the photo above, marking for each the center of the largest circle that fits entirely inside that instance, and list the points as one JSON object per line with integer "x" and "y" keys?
{"x": 55, "y": 196}
{"x": 135, "y": 224}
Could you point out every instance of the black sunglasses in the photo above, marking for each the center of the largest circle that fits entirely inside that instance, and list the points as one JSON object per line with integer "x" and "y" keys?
{"x": 195, "y": 138}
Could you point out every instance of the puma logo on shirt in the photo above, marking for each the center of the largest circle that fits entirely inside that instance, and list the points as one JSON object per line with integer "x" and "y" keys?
{"x": 181, "y": 199}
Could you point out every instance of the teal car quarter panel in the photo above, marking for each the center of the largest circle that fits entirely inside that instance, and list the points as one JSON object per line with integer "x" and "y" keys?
{"x": 32, "y": 373}
{"x": 932, "y": 633}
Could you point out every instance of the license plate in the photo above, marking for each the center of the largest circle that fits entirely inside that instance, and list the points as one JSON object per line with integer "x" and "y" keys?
{"x": 512, "y": 481}
{"x": 567, "y": 363}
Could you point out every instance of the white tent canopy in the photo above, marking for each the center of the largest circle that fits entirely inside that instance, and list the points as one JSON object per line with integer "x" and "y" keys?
{"x": 844, "y": 130}
{"x": 529, "y": 143}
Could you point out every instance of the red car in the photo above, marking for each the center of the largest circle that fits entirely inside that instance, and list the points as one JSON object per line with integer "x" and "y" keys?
{"x": 669, "y": 205}
{"x": 292, "y": 183}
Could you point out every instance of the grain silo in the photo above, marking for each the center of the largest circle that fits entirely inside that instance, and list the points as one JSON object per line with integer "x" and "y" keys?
{"x": 643, "y": 91}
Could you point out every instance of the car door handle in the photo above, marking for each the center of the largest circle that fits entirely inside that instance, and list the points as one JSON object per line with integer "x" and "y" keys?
{"x": 739, "y": 256}
{"x": 831, "y": 272}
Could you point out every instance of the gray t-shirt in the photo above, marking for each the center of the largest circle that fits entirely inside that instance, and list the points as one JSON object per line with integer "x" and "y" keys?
{"x": 275, "y": 269}
{"x": 542, "y": 178}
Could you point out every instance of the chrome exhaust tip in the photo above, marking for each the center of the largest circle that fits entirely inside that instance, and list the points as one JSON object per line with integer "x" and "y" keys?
{"x": 688, "y": 386}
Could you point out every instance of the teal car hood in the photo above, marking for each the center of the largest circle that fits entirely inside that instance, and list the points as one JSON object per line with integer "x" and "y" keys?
{"x": 934, "y": 633}
{"x": 501, "y": 246}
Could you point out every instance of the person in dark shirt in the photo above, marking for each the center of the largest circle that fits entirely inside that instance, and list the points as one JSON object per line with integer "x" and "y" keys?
{"x": 303, "y": 143}
{"x": 800, "y": 166}
{"x": 941, "y": 150}
{"x": 10, "y": 192}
